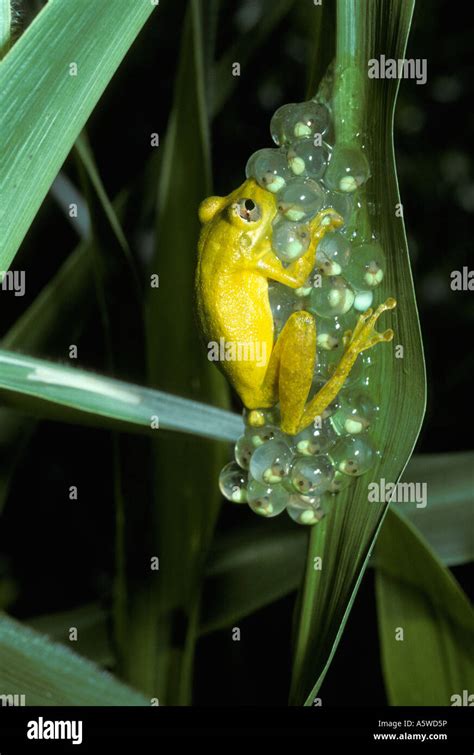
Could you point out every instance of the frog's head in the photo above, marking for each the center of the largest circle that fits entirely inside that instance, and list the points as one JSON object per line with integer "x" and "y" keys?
{"x": 249, "y": 209}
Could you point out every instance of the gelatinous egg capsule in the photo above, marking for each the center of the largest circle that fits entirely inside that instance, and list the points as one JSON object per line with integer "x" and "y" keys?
{"x": 311, "y": 475}
{"x": 243, "y": 451}
{"x": 348, "y": 169}
{"x": 357, "y": 413}
{"x": 330, "y": 333}
{"x": 267, "y": 500}
{"x": 366, "y": 270}
{"x": 233, "y": 483}
{"x": 300, "y": 200}
{"x": 270, "y": 463}
{"x": 327, "y": 363}
{"x": 290, "y": 240}
{"x": 305, "y": 510}
{"x": 340, "y": 482}
{"x": 333, "y": 297}
{"x": 279, "y": 121}
{"x": 313, "y": 441}
{"x": 283, "y": 302}
{"x": 306, "y": 120}
{"x": 363, "y": 300}
{"x": 307, "y": 160}
{"x": 260, "y": 417}
{"x": 341, "y": 202}
{"x": 260, "y": 435}
{"x": 269, "y": 168}
{"x": 353, "y": 455}
{"x": 333, "y": 254}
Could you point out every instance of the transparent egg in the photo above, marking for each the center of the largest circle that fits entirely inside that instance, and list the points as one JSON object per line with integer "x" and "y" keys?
{"x": 340, "y": 482}
{"x": 280, "y": 122}
{"x": 357, "y": 413}
{"x": 267, "y": 500}
{"x": 270, "y": 463}
{"x": 306, "y": 159}
{"x": 333, "y": 297}
{"x": 347, "y": 170}
{"x": 305, "y": 510}
{"x": 341, "y": 202}
{"x": 243, "y": 451}
{"x": 363, "y": 300}
{"x": 313, "y": 441}
{"x": 328, "y": 361}
{"x": 330, "y": 333}
{"x": 260, "y": 435}
{"x": 333, "y": 253}
{"x": 312, "y": 475}
{"x": 233, "y": 483}
{"x": 283, "y": 303}
{"x": 269, "y": 168}
{"x": 353, "y": 455}
{"x": 306, "y": 120}
{"x": 366, "y": 269}
{"x": 290, "y": 240}
{"x": 260, "y": 417}
{"x": 300, "y": 200}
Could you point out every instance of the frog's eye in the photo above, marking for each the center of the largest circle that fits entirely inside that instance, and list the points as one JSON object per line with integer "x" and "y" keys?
{"x": 248, "y": 210}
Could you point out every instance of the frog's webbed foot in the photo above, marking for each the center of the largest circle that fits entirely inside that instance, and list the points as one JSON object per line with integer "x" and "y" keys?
{"x": 364, "y": 335}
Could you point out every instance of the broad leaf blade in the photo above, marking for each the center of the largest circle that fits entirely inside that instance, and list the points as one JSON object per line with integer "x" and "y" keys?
{"x": 344, "y": 540}
{"x": 447, "y": 522}
{"x": 44, "y": 107}
{"x": 43, "y": 388}
{"x": 50, "y": 674}
{"x": 426, "y": 623}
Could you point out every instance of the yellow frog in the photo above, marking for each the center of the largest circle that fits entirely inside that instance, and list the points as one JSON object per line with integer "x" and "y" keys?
{"x": 235, "y": 263}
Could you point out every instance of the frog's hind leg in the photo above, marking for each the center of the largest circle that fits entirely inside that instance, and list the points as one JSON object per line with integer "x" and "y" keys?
{"x": 291, "y": 368}
{"x": 362, "y": 338}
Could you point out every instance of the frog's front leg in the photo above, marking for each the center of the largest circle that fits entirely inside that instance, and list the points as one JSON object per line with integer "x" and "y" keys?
{"x": 297, "y": 273}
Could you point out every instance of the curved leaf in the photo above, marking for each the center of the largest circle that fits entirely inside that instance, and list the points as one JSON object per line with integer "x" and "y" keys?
{"x": 426, "y": 623}
{"x": 44, "y": 107}
{"x": 344, "y": 539}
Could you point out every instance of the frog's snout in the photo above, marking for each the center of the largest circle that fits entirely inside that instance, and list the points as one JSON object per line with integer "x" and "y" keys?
{"x": 210, "y": 207}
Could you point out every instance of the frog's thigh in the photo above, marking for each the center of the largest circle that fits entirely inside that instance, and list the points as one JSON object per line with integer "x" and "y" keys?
{"x": 292, "y": 365}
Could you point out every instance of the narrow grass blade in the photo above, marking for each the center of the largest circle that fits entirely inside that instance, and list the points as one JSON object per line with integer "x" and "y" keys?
{"x": 426, "y": 623}
{"x": 186, "y": 514}
{"x": 344, "y": 539}
{"x": 92, "y": 631}
{"x": 50, "y": 674}
{"x": 46, "y": 100}
{"x": 68, "y": 394}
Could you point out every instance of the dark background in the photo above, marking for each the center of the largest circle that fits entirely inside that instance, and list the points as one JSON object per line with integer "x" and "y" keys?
{"x": 433, "y": 147}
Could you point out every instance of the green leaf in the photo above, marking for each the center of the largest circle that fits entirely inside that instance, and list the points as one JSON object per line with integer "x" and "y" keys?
{"x": 5, "y": 26}
{"x": 431, "y": 661}
{"x": 92, "y": 635}
{"x": 44, "y": 107}
{"x": 344, "y": 539}
{"x": 36, "y": 386}
{"x": 447, "y": 521}
{"x": 50, "y": 674}
{"x": 185, "y": 514}
{"x": 250, "y": 569}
